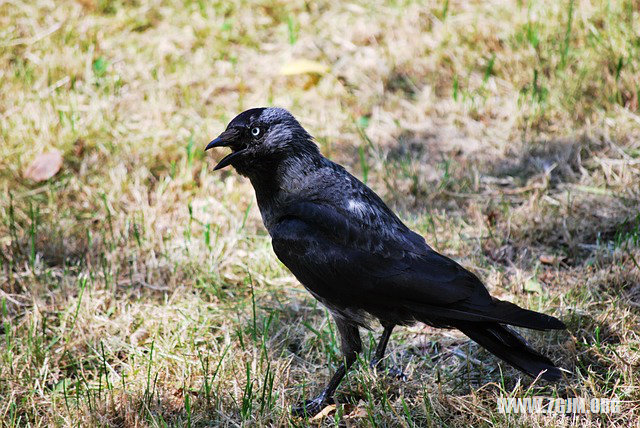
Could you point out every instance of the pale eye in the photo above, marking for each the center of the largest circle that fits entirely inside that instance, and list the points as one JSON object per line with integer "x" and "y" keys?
{"x": 255, "y": 131}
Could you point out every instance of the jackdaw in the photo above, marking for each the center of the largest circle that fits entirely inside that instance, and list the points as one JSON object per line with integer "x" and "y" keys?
{"x": 354, "y": 255}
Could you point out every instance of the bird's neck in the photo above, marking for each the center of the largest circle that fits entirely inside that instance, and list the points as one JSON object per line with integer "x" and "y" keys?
{"x": 266, "y": 187}
{"x": 292, "y": 178}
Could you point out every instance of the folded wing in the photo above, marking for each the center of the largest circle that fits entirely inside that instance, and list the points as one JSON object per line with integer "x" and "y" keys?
{"x": 387, "y": 271}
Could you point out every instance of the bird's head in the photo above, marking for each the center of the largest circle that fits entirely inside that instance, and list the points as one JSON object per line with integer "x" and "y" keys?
{"x": 260, "y": 139}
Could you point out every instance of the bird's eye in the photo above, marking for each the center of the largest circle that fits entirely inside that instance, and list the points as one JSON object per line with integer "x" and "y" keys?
{"x": 255, "y": 131}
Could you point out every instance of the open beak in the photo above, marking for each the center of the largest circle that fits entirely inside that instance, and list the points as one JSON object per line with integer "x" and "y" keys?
{"x": 218, "y": 142}
{"x": 226, "y": 139}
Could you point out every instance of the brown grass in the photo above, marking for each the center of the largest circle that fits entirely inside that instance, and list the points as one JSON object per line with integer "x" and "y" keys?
{"x": 138, "y": 288}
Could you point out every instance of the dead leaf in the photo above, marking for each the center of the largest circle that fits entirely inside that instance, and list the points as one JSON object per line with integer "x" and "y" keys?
{"x": 303, "y": 66}
{"x": 359, "y": 412}
{"x": 550, "y": 259}
{"x": 44, "y": 166}
{"x": 324, "y": 412}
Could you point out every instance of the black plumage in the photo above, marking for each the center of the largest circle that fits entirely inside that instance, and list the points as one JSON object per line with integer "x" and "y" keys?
{"x": 354, "y": 255}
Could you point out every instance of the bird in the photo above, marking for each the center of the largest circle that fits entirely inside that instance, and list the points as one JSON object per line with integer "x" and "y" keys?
{"x": 357, "y": 258}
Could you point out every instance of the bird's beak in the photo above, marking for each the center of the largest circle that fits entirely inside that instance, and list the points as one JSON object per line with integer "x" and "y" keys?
{"x": 226, "y": 139}
{"x": 218, "y": 142}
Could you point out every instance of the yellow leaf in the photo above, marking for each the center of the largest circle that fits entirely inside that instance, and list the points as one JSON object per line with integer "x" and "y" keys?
{"x": 303, "y": 66}
{"x": 324, "y": 412}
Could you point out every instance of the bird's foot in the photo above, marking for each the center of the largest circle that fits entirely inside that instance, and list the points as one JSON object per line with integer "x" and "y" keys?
{"x": 376, "y": 364}
{"x": 312, "y": 407}
{"x": 392, "y": 371}
{"x": 397, "y": 373}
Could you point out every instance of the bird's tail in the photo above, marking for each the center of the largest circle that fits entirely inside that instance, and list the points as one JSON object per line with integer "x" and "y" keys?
{"x": 497, "y": 311}
{"x": 509, "y": 313}
{"x": 508, "y": 345}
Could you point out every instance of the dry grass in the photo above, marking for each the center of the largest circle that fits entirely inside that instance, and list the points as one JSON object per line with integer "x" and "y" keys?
{"x": 138, "y": 288}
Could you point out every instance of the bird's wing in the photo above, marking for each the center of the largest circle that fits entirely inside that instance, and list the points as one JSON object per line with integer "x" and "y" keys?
{"x": 324, "y": 247}
{"x": 383, "y": 270}
{"x": 351, "y": 265}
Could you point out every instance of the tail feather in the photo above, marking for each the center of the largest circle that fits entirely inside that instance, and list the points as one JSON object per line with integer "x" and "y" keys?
{"x": 512, "y": 314}
{"x": 496, "y": 311}
{"x": 508, "y": 345}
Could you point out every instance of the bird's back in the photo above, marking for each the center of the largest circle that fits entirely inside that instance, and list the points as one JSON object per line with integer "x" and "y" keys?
{"x": 329, "y": 185}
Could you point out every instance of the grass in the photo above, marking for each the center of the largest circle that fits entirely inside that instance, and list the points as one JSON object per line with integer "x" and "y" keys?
{"x": 138, "y": 288}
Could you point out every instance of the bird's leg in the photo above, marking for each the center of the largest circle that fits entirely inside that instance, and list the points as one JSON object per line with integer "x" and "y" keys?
{"x": 351, "y": 345}
{"x": 379, "y": 354}
{"x": 382, "y": 346}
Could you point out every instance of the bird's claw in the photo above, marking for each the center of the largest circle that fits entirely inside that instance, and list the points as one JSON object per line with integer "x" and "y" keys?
{"x": 397, "y": 373}
{"x": 393, "y": 371}
{"x": 375, "y": 364}
{"x": 311, "y": 407}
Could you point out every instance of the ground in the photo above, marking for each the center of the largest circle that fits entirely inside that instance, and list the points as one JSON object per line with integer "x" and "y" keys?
{"x": 139, "y": 288}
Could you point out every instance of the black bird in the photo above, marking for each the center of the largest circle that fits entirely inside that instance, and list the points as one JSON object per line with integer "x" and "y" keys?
{"x": 354, "y": 255}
